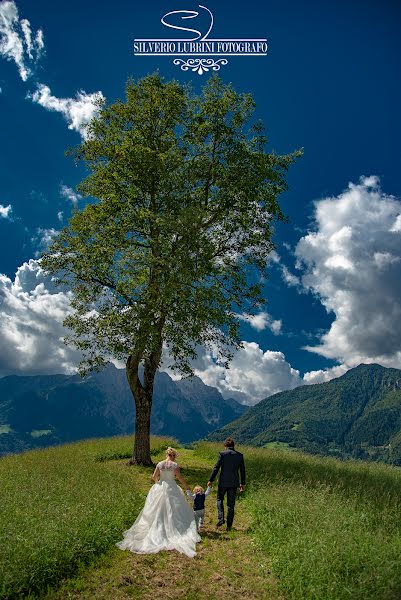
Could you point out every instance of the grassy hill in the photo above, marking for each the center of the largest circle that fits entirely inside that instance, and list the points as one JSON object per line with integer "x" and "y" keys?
{"x": 307, "y": 527}
{"x": 357, "y": 415}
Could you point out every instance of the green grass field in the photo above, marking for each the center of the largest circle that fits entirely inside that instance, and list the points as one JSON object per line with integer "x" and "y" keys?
{"x": 307, "y": 528}
{"x": 60, "y": 507}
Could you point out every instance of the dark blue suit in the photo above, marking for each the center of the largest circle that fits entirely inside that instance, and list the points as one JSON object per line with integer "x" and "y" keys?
{"x": 232, "y": 473}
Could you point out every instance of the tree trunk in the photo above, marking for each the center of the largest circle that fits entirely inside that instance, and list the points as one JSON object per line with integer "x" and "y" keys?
{"x": 141, "y": 454}
{"x": 143, "y": 396}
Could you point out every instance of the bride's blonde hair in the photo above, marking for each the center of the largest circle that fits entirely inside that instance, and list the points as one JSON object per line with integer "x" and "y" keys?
{"x": 172, "y": 452}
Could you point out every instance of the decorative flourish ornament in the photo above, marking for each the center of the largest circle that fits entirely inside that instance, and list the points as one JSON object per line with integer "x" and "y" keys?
{"x": 200, "y": 65}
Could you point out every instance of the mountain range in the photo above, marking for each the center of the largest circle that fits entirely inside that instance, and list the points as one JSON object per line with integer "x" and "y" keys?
{"x": 357, "y": 415}
{"x": 43, "y": 410}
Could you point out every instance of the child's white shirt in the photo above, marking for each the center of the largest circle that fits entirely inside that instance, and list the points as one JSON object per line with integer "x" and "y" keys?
{"x": 193, "y": 496}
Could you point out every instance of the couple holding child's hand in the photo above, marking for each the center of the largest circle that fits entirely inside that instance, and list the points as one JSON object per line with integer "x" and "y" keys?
{"x": 166, "y": 521}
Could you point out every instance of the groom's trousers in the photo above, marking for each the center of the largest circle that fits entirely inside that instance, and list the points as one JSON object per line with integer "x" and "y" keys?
{"x": 231, "y": 494}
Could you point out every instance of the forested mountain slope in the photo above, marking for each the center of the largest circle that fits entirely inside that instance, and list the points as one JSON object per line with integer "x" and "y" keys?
{"x": 356, "y": 415}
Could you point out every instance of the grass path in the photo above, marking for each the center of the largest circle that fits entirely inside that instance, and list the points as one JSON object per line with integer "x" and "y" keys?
{"x": 225, "y": 564}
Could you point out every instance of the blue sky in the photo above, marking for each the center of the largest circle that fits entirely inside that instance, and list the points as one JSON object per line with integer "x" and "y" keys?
{"x": 330, "y": 84}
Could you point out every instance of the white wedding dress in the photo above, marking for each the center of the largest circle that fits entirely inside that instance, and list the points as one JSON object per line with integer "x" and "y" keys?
{"x": 166, "y": 522}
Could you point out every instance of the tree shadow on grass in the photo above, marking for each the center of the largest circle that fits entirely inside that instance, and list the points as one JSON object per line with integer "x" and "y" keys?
{"x": 212, "y": 535}
{"x": 196, "y": 475}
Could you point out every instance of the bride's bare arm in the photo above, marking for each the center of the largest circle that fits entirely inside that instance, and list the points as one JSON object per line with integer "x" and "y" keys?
{"x": 156, "y": 474}
{"x": 180, "y": 478}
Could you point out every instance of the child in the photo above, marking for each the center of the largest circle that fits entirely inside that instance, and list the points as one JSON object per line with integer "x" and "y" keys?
{"x": 198, "y": 496}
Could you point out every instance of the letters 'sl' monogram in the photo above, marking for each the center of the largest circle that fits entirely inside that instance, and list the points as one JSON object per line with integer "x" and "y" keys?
{"x": 189, "y": 14}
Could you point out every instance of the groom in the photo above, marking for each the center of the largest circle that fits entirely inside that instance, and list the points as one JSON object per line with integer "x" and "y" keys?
{"x": 230, "y": 462}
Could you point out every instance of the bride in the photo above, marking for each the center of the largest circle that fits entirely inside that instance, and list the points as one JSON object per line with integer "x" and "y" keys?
{"x": 166, "y": 521}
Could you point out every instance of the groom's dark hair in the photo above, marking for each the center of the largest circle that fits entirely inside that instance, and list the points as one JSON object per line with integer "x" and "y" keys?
{"x": 229, "y": 443}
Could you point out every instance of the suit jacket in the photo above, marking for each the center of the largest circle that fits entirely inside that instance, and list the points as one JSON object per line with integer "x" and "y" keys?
{"x": 231, "y": 465}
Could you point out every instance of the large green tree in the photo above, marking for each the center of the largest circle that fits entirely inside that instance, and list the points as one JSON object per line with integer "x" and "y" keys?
{"x": 185, "y": 198}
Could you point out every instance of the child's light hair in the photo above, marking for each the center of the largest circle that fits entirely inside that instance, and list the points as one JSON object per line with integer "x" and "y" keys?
{"x": 172, "y": 452}
{"x": 198, "y": 489}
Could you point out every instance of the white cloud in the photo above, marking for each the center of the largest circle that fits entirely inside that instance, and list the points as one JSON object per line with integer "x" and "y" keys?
{"x": 273, "y": 258}
{"x": 40, "y": 45}
{"x": 26, "y": 29}
{"x": 35, "y": 46}
{"x": 46, "y": 235}
{"x": 397, "y": 224}
{"x": 32, "y": 310}
{"x": 252, "y": 376}
{"x": 16, "y": 40}
{"x": 291, "y": 279}
{"x": 43, "y": 238}
{"x": 352, "y": 263}
{"x": 5, "y": 211}
{"x": 60, "y": 215}
{"x": 262, "y": 321}
{"x": 24, "y": 47}
{"x": 324, "y": 374}
{"x": 77, "y": 111}
{"x": 69, "y": 194}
